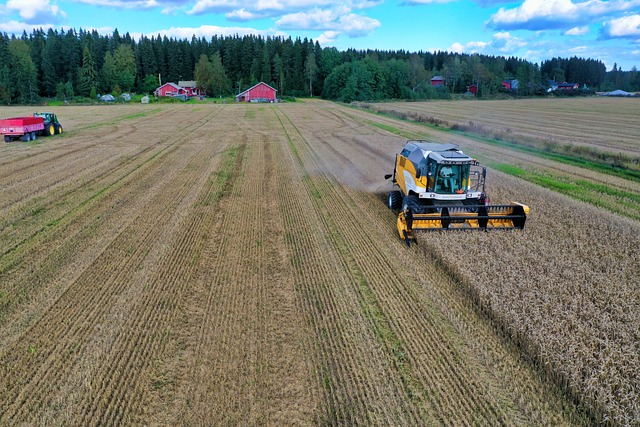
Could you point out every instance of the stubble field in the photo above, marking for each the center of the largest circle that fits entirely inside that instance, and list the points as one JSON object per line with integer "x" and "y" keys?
{"x": 237, "y": 265}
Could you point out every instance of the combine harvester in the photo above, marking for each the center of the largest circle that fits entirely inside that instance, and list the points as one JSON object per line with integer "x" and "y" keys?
{"x": 441, "y": 188}
{"x": 28, "y": 128}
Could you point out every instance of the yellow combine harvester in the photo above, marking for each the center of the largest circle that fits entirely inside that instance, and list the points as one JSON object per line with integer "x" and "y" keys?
{"x": 440, "y": 187}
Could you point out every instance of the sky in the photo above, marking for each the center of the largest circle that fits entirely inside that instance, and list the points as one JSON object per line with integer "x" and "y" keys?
{"x": 536, "y": 30}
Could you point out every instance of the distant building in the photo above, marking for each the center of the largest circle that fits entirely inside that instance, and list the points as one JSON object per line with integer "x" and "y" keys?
{"x": 190, "y": 87}
{"x": 261, "y": 92}
{"x": 170, "y": 89}
{"x": 437, "y": 81}
{"x": 568, "y": 86}
{"x": 510, "y": 84}
{"x": 472, "y": 89}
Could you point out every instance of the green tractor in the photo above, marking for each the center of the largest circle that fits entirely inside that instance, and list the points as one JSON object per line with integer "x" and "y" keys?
{"x": 51, "y": 124}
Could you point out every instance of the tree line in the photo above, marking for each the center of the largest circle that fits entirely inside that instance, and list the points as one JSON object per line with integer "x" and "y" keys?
{"x": 69, "y": 63}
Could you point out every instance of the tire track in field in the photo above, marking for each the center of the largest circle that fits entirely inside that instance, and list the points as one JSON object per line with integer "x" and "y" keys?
{"x": 124, "y": 368}
{"x": 96, "y": 289}
{"x": 34, "y": 163}
{"x": 356, "y": 374}
{"x": 452, "y": 388}
{"x": 245, "y": 364}
{"x": 56, "y": 201}
{"x": 52, "y": 251}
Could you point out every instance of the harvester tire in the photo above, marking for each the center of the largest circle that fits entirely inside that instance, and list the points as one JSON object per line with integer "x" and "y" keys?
{"x": 394, "y": 201}
{"x": 411, "y": 203}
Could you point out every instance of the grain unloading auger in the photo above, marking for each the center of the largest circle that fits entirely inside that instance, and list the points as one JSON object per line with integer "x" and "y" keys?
{"x": 441, "y": 188}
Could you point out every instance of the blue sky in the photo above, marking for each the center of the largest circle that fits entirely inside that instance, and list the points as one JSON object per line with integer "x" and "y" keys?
{"x": 608, "y": 30}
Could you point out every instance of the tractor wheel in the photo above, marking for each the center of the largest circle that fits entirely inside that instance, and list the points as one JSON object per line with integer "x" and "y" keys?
{"x": 33, "y": 136}
{"x": 26, "y": 137}
{"x": 7, "y": 138}
{"x": 50, "y": 129}
{"x": 394, "y": 200}
{"x": 59, "y": 129}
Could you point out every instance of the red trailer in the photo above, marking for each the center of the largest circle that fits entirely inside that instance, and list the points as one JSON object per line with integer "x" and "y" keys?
{"x": 25, "y": 128}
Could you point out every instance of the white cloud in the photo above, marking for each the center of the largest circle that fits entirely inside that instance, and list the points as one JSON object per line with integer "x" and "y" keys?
{"x": 327, "y": 38}
{"x": 456, "y": 48}
{"x": 338, "y": 19}
{"x": 552, "y": 14}
{"x": 577, "y": 31}
{"x": 36, "y": 12}
{"x": 625, "y": 27}
{"x": 503, "y": 43}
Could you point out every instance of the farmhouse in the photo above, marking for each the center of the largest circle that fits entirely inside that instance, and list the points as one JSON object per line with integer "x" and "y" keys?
{"x": 170, "y": 89}
{"x": 437, "y": 81}
{"x": 261, "y": 92}
{"x": 190, "y": 87}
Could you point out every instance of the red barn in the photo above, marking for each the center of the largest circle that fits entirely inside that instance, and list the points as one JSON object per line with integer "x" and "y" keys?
{"x": 261, "y": 92}
{"x": 437, "y": 81}
{"x": 473, "y": 89}
{"x": 170, "y": 89}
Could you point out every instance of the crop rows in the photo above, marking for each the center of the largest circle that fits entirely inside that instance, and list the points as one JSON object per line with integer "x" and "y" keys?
{"x": 242, "y": 268}
{"x": 419, "y": 347}
{"x": 565, "y": 289}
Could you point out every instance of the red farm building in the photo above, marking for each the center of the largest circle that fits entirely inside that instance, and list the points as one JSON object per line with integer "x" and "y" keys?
{"x": 437, "y": 81}
{"x": 190, "y": 87}
{"x": 261, "y": 92}
{"x": 170, "y": 89}
{"x": 568, "y": 86}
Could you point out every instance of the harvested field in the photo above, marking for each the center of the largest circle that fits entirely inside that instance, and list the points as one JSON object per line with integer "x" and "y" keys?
{"x": 605, "y": 123}
{"x": 237, "y": 264}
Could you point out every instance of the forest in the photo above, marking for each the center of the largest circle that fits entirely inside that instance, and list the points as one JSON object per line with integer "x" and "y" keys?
{"x": 80, "y": 65}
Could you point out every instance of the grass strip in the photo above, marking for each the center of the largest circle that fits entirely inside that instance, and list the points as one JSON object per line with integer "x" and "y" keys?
{"x": 549, "y": 152}
{"x": 625, "y": 204}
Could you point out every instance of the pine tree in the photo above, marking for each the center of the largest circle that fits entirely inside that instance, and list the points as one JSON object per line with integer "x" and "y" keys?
{"x": 88, "y": 76}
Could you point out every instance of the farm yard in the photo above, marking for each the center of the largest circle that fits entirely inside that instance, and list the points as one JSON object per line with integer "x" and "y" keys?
{"x": 237, "y": 264}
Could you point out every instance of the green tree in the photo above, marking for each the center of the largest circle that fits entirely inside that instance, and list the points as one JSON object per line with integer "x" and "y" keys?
{"x": 87, "y": 75}
{"x": 204, "y": 74}
{"x": 311, "y": 70}
{"x": 22, "y": 72}
{"x": 125, "y": 63}
{"x": 150, "y": 83}
{"x": 109, "y": 72}
{"x": 219, "y": 81}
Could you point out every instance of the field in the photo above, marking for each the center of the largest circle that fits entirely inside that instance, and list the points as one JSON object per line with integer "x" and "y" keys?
{"x": 237, "y": 265}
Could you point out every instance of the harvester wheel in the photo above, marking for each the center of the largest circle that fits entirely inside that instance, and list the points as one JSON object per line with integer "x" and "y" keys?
{"x": 411, "y": 203}
{"x": 394, "y": 200}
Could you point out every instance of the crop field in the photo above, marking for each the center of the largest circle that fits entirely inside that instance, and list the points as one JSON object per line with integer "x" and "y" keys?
{"x": 236, "y": 264}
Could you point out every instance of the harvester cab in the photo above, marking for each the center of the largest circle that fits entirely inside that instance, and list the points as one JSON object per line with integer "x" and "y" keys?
{"x": 440, "y": 187}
